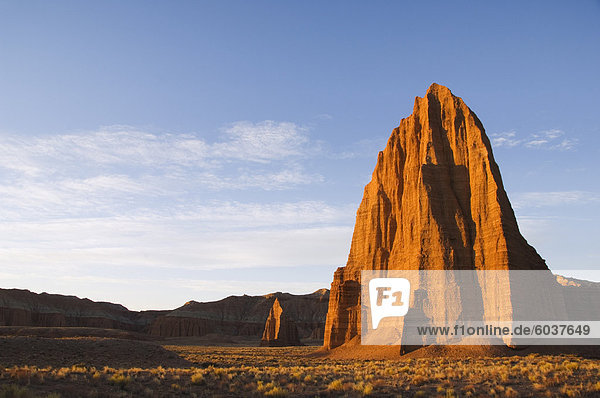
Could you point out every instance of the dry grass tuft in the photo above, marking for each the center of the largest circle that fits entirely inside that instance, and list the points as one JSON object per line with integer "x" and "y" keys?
{"x": 252, "y": 371}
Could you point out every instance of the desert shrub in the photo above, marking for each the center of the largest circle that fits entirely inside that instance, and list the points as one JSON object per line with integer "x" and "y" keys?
{"x": 539, "y": 387}
{"x": 450, "y": 393}
{"x": 260, "y": 387}
{"x": 61, "y": 373}
{"x": 276, "y": 392}
{"x": 363, "y": 388}
{"x": 418, "y": 380}
{"x": 120, "y": 380}
{"x": 78, "y": 369}
{"x": 197, "y": 378}
{"x": 571, "y": 365}
{"x": 22, "y": 374}
{"x": 336, "y": 385}
{"x": 569, "y": 391}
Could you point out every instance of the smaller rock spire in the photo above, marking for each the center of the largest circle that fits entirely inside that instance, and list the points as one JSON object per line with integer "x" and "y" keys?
{"x": 279, "y": 330}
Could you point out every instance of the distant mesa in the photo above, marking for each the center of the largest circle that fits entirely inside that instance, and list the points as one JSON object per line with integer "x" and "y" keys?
{"x": 24, "y": 308}
{"x": 244, "y": 316}
{"x": 435, "y": 201}
{"x": 235, "y": 316}
{"x": 280, "y": 330}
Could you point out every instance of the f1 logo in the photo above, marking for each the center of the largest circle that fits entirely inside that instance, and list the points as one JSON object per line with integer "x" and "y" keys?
{"x": 389, "y": 297}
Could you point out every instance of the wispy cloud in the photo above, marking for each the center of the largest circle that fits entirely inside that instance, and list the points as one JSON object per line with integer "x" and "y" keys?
{"x": 557, "y": 198}
{"x": 71, "y": 197}
{"x": 263, "y": 142}
{"x": 93, "y": 208}
{"x": 65, "y": 246}
{"x": 171, "y": 248}
{"x": 85, "y": 213}
{"x": 323, "y": 116}
{"x": 119, "y": 167}
{"x": 506, "y": 139}
{"x": 550, "y": 139}
{"x": 362, "y": 148}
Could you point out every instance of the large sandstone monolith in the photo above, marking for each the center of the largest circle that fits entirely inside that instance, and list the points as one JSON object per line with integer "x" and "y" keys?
{"x": 435, "y": 201}
{"x": 279, "y": 330}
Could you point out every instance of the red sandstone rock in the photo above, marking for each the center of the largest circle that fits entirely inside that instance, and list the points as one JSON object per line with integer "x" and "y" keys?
{"x": 280, "y": 330}
{"x": 435, "y": 201}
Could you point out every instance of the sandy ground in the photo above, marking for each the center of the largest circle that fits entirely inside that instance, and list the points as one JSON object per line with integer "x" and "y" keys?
{"x": 84, "y": 351}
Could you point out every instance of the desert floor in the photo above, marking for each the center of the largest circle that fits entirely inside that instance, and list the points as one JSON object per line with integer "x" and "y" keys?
{"x": 115, "y": 367}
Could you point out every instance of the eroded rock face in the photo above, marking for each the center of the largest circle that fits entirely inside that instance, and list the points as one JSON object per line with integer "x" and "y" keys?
{"x": 280, "y": 330}
{"x": 24, "y": 308}
{"x": 435, "y": 201}
{"x": 232, "y": 316}
{"x": 244, "y": 316}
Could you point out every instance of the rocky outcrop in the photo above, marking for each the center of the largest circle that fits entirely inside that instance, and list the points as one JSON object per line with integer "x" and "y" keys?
{"x": 435, "y": 201}
{"x": 232, "y": 316}
{"x": 580, "y": 297}
{"x": 244, "y": 316}
{"x": 24, "y": 308}
{"x": 280, "y": 330}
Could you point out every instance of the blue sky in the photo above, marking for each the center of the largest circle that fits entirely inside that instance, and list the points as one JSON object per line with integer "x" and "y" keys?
{"x": 157, "y": 152}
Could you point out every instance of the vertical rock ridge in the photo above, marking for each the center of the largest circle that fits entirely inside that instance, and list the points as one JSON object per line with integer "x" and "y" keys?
{"x": 435, "y": 201}
{"x": 279, "y": 330}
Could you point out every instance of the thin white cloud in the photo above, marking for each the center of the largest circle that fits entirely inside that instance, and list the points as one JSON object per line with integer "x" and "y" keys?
{"x": 556, "y": 198}
{"x": 97, "y": 150}
{"x": 362, "y": 148}
{"x": 505, "y": 139}
{"x": 119, "y": 169}
{"x": 163, "y": 260}
{"x": 71, "y": 197}
{"x": 217, "y": 243}
{"x": 262, "y": 142}
{"x": 120, "y": 146}
{"x": 550, "y": 139}
{"x": 565, "y": 144}
{"x": 233, "y": 215}
{"x": 265, "y": 179}
{"x": 531, "y": 226}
